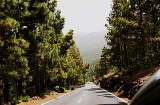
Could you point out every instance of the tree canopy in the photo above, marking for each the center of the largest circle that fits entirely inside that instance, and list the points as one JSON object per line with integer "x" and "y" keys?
{"x": 134, "y": 35}
{"x": 35, "y": 55}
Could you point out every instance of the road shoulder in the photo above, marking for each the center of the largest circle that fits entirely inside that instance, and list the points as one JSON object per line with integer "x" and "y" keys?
{"x": 36, "y": 100}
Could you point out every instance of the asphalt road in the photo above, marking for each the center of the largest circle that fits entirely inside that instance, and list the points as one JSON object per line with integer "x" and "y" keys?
{"x": 90, "y": 94}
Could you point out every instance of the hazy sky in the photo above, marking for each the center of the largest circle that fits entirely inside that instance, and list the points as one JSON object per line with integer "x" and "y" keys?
{"x": 84, "y": 15}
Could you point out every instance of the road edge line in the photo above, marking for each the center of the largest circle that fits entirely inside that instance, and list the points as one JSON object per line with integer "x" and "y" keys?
{"x": 58, "y": 97}
{"x": 115, "y": 96}
{"x": 48, "y": 101}
{"x": 118, "y": 98}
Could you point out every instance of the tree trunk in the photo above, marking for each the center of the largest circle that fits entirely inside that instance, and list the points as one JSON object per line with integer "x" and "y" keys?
{"x": 20, "y": 88}
{"x": 6, "y": 91}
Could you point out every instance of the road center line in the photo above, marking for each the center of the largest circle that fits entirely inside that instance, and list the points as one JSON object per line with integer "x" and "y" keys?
{"x": 79, "y": 100}
{"x": 84, "y": 94}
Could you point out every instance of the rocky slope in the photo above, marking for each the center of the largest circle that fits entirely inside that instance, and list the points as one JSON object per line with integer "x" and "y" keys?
{"x": 126, "y": 85}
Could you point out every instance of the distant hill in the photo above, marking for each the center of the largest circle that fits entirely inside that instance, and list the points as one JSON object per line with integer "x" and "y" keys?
{"x": 90, "y": 45}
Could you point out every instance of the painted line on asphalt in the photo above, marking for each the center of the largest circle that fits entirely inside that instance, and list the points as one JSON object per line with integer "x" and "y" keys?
{"x": 115, "y": 96}
{"x": 62, "y": 95}
{"x": 47, "y": 102}
{"x": 119, "y": 98}
{"x": 58, "y": 97}
{"x": 54, "y": 99}
{"x": 88, "y": 88}
{"x": 80, "y": 100}
{"x": 84, "y": 94}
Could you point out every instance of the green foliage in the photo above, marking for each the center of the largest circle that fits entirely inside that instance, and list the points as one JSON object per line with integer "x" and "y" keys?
{"x": 56, "y": 88}
{"x": 133, "y": 34}
{"x": 61, "y": 89}
{"x": 45, "y": 91}
{"x": 133, "y": 37}
{"x": 71, "y": 88}
{"x": 25, "y": 98}
{"x": 102, "y": 67}
{"x": 14, "y": 101}
{"x": 35, "y": 55}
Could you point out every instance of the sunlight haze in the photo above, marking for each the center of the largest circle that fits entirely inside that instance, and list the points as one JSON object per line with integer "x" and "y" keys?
{"x": 84, "y": 15}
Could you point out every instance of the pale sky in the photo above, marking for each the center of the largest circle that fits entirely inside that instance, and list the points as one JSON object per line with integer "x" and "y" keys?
{"x": 84, "y": 15}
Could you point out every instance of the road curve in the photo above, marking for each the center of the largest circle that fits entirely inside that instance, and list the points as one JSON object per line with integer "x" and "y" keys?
{"x": 90, "y": 94}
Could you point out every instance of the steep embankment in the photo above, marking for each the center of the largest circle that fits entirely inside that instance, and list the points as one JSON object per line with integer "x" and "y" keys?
{"x": 126, "y": 85}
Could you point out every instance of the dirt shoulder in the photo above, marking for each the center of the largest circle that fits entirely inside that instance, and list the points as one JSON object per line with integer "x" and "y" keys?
{"x": 36, "y": 100}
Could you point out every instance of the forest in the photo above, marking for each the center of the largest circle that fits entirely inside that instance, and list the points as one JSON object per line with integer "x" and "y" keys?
{"x": 133, "y": 37}
{"x": 35, "y": 55}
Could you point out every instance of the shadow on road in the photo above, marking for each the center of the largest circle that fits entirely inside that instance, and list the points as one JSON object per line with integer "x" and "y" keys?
{"x": 94, "y": 89}
{"x": 97, "y": 90}
{"x": 120, "y": 103}
{"x": 103, "y": 93}
{"x": 106, "y": 95}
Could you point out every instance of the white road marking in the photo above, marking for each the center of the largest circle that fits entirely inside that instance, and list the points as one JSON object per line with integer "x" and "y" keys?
{"x": 83, "y": 94}
{"x": 115, "y": 96}
{"x": 63, "y": 95}
{"x": 48, "y": 102}
{"x": 57, "y": 98}
{"x": 80, "y": 100}
{"x": 118, "y": 98}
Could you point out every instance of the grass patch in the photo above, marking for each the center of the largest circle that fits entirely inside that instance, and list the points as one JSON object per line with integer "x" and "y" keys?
{"x": 25, "y": 98}
{"x": 71, "y": 88}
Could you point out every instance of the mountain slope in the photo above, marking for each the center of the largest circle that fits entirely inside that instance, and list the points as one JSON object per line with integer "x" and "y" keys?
{"x": 90, "y": 45}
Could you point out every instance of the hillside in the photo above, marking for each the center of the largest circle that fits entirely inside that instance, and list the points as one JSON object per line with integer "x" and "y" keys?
{"x": 126, "y": 86}
{"x": 90, "y": 45}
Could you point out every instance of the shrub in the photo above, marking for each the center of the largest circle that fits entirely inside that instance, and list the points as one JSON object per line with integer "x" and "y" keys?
{"x": 56, "y": 89}
{"x": 14, "y": 101}
{"x": 25, "y": 98}
{"x": 71, "y": 88}
{"x": 42, "y": 94}
{"x": 46, "y": 91}
{"x": 61, "y": 89}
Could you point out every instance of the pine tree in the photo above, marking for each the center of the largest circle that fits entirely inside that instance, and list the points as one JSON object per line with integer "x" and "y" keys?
{"x": 35, "y": 55}
{"x": 14, "y": 62}
{"x": 133, "y": 25}
{"x": 103, "y": 62}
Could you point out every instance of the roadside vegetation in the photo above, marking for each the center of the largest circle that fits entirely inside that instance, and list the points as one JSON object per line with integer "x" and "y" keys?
{"x": 37, "y": 59}
{"x": 38, "y": 100}
{"x": 134, "y": 45}
{"x": 35, "y": 56}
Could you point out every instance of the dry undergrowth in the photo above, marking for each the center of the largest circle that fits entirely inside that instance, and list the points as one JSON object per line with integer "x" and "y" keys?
{"x": 143, "y": 76}
{"x": 36, "y": 100}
